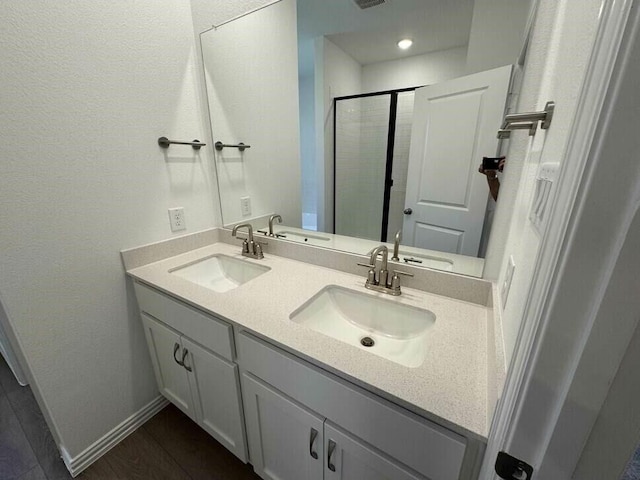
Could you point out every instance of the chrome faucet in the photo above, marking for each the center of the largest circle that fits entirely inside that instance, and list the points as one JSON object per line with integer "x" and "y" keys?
{"x": 378, "y": 280}
{"x": 396, "y": 246}
{"x": 250, "y": 248}
{"x": 271, "y": 219}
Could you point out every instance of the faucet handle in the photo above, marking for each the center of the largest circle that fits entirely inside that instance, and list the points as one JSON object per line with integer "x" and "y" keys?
{"x": 399, "y": 272}
{"x": 371, "y": 274}
{"x": 395, "y": 280}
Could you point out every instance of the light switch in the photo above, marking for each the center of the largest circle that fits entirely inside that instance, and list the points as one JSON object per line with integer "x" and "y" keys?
{"x": 506, "y": 285}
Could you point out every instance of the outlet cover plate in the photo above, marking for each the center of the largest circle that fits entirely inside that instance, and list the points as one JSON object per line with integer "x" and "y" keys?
{"x": 176, "y": 219}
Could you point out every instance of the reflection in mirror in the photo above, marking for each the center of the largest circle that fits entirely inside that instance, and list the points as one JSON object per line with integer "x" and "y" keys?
{"x": 389, "y": 140}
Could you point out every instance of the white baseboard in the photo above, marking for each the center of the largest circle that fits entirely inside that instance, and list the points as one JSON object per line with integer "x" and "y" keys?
{"x": 79, "y": 463}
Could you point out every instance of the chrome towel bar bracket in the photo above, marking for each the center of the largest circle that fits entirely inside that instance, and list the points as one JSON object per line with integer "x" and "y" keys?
{"x": 240, "y": 146}
{"x": 527, "y": 121}
{"x": 164, "y": 142}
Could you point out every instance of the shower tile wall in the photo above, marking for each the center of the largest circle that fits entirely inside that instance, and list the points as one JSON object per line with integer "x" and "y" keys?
{"x": 361, "y": 146}
{"x": 404, "y": 121}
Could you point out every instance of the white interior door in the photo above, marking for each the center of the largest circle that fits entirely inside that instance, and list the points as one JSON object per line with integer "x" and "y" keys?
{"x": 455, "y": 124}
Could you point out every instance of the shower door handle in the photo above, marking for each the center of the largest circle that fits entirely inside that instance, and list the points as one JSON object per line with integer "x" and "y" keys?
{"x": 408, "y": 211}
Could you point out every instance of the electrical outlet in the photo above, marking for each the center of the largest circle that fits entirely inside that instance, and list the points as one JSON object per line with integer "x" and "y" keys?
{"x": 506, "y": 286}
{"x": 245, "y": 206}
{"x": 176, "y": 218}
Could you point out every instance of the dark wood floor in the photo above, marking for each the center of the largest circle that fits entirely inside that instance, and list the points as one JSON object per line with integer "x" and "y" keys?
{"x": 169, "y": 446}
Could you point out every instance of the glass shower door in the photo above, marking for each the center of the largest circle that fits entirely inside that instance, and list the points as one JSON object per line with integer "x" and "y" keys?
{"x": 361, "y": 135}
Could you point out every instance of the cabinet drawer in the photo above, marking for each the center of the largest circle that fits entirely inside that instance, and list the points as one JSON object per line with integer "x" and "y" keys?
{"x": 428, "y": 448}
{"x": 208, "y": 331}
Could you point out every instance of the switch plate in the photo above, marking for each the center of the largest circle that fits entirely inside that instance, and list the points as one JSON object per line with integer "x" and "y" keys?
{"x": 176, "y": 218}
{"x": 506, "y": 286}
{"x": 245, "y": 206}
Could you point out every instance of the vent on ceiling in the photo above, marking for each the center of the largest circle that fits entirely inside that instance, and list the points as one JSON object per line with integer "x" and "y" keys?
{"x": 368, "y": 3}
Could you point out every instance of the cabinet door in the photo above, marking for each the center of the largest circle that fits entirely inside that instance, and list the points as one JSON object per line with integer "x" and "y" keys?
{"x": 285, "y": 439}
{"x": 166, "y": 351}
{"x": 215, "y": 389}
{"x": 349, "y": 459}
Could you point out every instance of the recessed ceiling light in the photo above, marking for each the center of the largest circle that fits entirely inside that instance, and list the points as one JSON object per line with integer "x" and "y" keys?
{"x": 405, "y": 43}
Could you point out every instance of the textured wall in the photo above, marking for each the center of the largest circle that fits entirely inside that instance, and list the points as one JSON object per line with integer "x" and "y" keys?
{"x": 415, "y": 71}
{"x": 552, "y": 72}
{"x": 497, "y": 33}
{"x": 86, "y": 92}
{"x": 252, "y": 84}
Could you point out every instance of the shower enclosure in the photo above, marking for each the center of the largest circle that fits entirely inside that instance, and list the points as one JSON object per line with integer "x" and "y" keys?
{"x": 372, "y": 134}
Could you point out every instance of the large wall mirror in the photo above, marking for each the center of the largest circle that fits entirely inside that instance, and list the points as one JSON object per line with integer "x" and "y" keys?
{"x": 355, "y": 141}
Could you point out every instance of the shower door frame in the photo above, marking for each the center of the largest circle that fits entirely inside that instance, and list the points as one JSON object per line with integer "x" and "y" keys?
{"x": 391, "y": 136}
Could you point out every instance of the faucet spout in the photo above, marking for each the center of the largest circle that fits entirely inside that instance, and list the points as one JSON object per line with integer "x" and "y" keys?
{"x": 396, "y": 246}
{"x": 271, "y": 219}
{"x": 244, "y": 225}
{"x": 250, "y": 248}
{"x": 385, "y": 255}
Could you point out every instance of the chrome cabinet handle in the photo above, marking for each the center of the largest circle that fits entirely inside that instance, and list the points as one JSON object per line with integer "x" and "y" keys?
{"x": 312, "y": 439}
{"x": 332, "y": 449}
{"x": 185, "y": 352}
{"x": 176, "y": 347}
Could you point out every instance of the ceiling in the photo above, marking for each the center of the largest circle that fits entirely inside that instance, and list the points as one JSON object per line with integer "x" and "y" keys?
{"x": 371, "y": 35}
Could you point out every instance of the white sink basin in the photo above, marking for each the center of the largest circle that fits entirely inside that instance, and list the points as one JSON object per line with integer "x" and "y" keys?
{"x": 302, "y": 237}
{"x": 423, "y": 260}
{"x": 220, "y": 273}
{"x": 398, "y": 331}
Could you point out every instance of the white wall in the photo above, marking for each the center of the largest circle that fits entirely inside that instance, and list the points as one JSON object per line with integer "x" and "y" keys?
{"x": 86, "y": 93}
{"x": 552, "y": 72}
{"x": 414, "y": 71}
{"x": 252, "y": 83}
{"x": 341, "y": 76}
{"x": 308, "y": 144}
{"x": 497, "y": 33}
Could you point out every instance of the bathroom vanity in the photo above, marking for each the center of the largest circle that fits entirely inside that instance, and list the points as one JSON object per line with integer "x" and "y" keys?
{"x": 248, "y": 350}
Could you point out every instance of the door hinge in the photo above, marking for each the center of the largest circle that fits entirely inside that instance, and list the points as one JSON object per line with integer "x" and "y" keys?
{"x": 511, "y": 468}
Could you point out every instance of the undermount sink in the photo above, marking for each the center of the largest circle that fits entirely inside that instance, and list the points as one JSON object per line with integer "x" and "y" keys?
{"x": 423, "y": 260}
{"x": 383, "y": 327}
{"x": 302, "y": 237}
{"x": 220, "y": 273}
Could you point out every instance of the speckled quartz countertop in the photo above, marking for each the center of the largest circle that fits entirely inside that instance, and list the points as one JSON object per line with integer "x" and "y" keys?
{"x": 450, "y": 387}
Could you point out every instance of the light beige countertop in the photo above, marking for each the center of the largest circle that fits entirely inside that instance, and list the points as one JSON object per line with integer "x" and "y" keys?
{"x": 450, "y": 387}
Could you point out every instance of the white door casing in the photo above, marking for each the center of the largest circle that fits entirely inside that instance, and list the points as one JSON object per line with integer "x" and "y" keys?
{"x": 455, "y": 124}
{"x": 537, "y": 419}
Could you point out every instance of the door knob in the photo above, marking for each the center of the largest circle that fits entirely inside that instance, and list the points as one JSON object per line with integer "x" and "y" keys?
{"x": 408, "y": 211}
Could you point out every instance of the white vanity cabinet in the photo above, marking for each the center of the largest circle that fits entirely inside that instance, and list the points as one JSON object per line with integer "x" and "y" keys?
{"x": 285, "y": 438}
{"x": 288, "y": 441}
{"x": 199, "y": 377}
{"x": 290, "y": 405}
{"x": 165, "y": 347}
{"x": 348, "y": 458}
